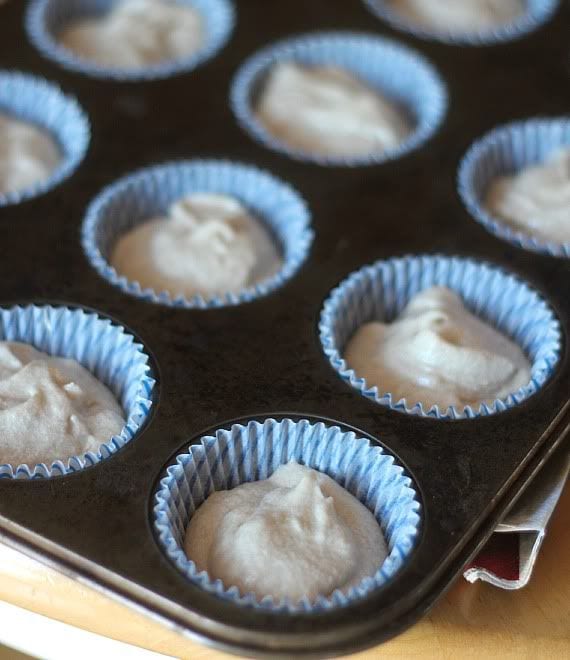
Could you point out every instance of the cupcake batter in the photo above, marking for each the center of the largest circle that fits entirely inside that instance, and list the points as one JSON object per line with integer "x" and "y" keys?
{"x": 329, "y": 112}
{"x": 208, "y": 245}
{"x": 28, "y": 155}
{"x": 437, "y": 353}
{"x": 297, "y": 534}
{"x": 135, "y": 34}
{"x": 536, "y": 201}
{"x": 51, "y": 408}
{"x": 459, "y": 15}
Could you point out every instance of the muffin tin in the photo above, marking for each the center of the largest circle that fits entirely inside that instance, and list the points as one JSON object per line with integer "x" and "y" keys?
{"x": 263, "y": 359}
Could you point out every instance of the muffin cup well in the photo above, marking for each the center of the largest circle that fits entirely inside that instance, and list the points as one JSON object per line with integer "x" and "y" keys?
{"x": 149, "y": 192}
{"x": 380, "y": 292}
{"x": 252, "y": 452}
{"x": 505, "y": 151}
{"x": 106, "y": 350}
{"x": 399, "y": 73}
{"x": 46, "y": 18}
{"x": 538, "y": 12}
{"x": 39, "y": 102}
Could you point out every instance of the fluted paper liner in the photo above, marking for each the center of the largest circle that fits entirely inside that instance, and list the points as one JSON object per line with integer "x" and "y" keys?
{"x": 252, "y": 452}
{"x": 46, "y": 18}
{"x": 379, "y": 292}
{"x": 537, "y": 13}
{"x": 506, "y": 151}
{"x": 39, "y": 102}
{"x": 148, "y": 193}
{"x": 106, "y": 350}
{"x": 397, "y": 72}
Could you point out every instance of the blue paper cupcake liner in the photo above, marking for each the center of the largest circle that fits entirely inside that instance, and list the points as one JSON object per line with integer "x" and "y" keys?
{"x": 39, "y": 102}
{"x": 253, "y": 452}
{"x": 149, "y": 192}
{"x": 399, "y": 73}
{"x": 46, "y": 18}
{"x": 538, "y": 12}
{"x": 106, "y": 350}
{"x": 381, "y": 291}
{"x": 505, "y": 151}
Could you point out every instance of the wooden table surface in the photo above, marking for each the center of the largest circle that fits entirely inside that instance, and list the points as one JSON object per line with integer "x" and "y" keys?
{"x": 472, "y": 620}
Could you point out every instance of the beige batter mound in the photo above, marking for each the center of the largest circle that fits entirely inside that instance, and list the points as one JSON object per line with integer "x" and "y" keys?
{"x": 459, "y": 15}
{"x": 437, "y": 352}
{"x": 326, "y": 111}
{"x": 207, "y": 245}
{"x": 136, "y": 33}
{"x": 51, "y": 408}
{"x": 28, "y": 155}
{"x": 536, "y": 201}
{"x": 297, "y": 534}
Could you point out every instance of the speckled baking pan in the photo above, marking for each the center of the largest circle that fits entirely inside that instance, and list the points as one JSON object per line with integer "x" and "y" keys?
{"x": 263, "y": 358}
